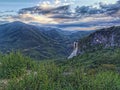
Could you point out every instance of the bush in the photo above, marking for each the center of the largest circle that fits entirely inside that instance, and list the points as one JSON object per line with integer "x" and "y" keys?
{"x": 91, "y": 71}
{"x": 14, "y": 65}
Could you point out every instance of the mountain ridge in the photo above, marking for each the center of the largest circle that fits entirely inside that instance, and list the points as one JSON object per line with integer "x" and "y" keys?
{"x": 101, "y": 39}
{"x": 35, "y": 41}
{"x": 18, "y": 35}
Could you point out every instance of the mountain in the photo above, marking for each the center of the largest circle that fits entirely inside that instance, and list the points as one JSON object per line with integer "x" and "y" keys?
{"x": 98, "y": 52}
{"x": 21, "y": 34}
{"x": 29, "y": 39}
{"x": 100, "y": 39}
{"x": 80, "y": 34}
{"x": 37, "y": 42}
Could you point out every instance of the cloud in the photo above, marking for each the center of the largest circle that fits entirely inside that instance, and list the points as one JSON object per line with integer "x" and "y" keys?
{"x": 81, "y": 28}
{"x": 102, "y": 8}
{"x": 83, "y": 17}
{"x": 90, "y": 22}
{"x": 57, "y": 2}
{"x": 30, "y": 18}
{"x": 65, "y": 12}
{"x": 45, "y": 4}
{"x": 41, "y": 10}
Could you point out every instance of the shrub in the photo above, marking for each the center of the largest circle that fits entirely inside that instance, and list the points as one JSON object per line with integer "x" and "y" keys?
{"x": 14, "y": 65}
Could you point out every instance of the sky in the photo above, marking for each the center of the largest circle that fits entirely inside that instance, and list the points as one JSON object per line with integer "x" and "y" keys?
{"x": 64, "y": 14}
{"x": 17, "y": 4}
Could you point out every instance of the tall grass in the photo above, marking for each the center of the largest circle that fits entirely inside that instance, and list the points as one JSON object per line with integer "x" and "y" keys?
{"x": 14, "y": 65}
{"x": 25, "y": 74}
{"x": 74, "y": 81}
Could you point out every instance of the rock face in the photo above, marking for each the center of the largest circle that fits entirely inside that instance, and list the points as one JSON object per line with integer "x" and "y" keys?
{"x": 101, "y": 39}
{"x": 75, "y": 51}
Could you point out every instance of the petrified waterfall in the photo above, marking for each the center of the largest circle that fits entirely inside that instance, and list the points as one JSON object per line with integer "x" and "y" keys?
{"x": 112, "y": 40}
{"x": 75, "y": 50}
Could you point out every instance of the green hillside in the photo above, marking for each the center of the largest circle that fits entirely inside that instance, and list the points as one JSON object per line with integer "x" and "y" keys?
{"x": 97, "y": 58}
{"x": 37, "y": 42}
{"x": 97, "y": 67}
{"x": 30, "y": 40}
{"x": 91, "y": 71}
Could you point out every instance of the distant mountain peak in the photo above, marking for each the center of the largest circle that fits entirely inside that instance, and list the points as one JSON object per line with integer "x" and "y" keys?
{"x": 18, "y": 23}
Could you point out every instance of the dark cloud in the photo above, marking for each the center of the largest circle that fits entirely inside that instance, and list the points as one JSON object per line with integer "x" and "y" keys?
{"x": 64, "y": 12}
{"x": 87, "y": 10}
{"x": 62, "y": 16}
{"x": 41, "y": 10}
{"x": 109, "y": 9}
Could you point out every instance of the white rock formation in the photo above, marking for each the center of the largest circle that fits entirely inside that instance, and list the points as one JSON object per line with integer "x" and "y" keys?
{"x": 75, "y": 51}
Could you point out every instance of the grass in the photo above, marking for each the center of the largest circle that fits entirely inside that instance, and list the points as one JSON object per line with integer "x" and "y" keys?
{"x": 91, "y": 71}
{"x": 14, "y": 65}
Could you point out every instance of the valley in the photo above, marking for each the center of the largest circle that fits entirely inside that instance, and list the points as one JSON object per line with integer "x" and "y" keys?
{"x": 94, "y": 63}
{"x": 37, "y": 42}
{"x": 59, "y": 45}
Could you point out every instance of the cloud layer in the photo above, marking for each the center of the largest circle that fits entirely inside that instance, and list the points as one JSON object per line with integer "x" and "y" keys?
{"x": 78, "y": 18}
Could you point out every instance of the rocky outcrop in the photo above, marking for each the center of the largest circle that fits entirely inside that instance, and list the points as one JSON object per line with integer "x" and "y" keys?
{"x": 104, "y": 38}
{"x": 101, "y": 39}
{"x": 75, "y": 50}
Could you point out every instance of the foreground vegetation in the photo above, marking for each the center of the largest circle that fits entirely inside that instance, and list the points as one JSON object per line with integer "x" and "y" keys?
{"x": 91, "y": 71}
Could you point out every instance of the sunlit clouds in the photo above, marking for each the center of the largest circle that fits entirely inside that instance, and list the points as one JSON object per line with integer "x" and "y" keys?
{"x": 45, "y": 4}
{"x": 68, "y": 14}
{"x": 31, "y": 18}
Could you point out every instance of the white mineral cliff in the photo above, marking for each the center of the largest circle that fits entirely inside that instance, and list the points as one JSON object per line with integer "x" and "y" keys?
{"x": 75, "y": 51}
{"x": 112, "y": 40}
